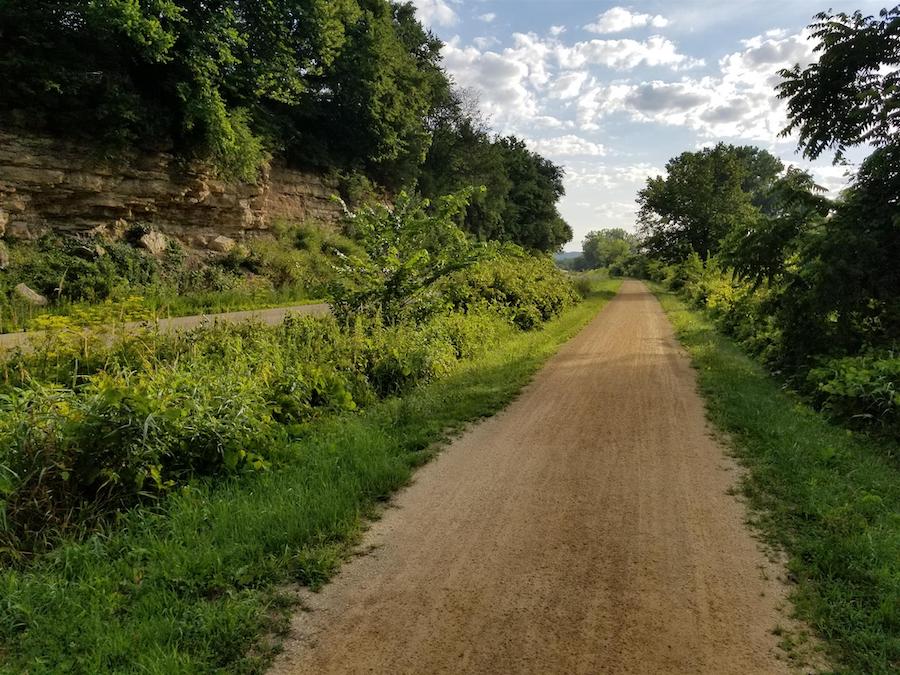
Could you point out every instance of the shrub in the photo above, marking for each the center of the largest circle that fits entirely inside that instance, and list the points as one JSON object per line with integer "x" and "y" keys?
{"x": 527, "y": 289}
{"x": 87, "y": 430}
{"x": 863, "y": 388}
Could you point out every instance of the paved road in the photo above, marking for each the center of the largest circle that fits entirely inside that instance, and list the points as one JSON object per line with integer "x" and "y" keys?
{"x": 269, "y": 316}
{"x": 586, "y": 529}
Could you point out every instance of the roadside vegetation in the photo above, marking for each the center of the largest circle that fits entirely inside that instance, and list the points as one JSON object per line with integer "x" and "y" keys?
{"x": 807, "y": 284}
{"x": 224, "y": 464}
{"x": 92, "y": 281}
{"x": 827, "y": 497}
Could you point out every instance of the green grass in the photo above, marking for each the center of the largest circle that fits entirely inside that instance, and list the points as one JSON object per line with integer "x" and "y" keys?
{"x": 828, "y": 497}
{"x": 197, "y": 585}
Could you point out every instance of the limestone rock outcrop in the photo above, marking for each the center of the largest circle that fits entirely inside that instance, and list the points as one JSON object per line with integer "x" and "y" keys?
{"x": 48, "y": 184}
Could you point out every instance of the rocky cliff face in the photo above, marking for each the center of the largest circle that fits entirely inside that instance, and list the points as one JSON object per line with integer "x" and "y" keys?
{"x": 46, "y": 184}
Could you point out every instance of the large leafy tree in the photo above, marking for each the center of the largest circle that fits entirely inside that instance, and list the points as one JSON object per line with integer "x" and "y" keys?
{"x": 851, "y": 94}
{"x": 522, "y": 188}
{"x": 847, "y": 277}
{"x": 530, "y": 216}
{"x": 604, "y": 248}
{"x": 704, "y": 196}
{"x": 190, "y": 71}
{"x": 352, "y": 85}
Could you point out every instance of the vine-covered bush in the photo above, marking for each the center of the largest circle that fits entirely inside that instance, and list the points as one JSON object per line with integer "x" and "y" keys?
{"x": 861, "y": 389}
{"x": 526, "y": 289}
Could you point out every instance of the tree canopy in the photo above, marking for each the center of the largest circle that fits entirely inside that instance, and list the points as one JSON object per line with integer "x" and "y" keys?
{"x": 851, "y": 94}
{"x": 807, "y": 277}
{"x": 605, "y": 248}
{"x": 704, "y": 196}
{"x": 346, "y": 85}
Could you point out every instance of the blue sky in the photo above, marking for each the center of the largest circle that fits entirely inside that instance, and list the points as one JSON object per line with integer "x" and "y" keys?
{"x": 611, "y": 91}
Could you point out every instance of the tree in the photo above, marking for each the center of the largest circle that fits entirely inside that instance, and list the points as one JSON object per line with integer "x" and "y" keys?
{"x": 704, "y": 196}
{"x": 522, "y": 188}
{"x": 851, "y": 95}
{"x": 409, "y": 247}
{"x": 604, "y": 248}
{"x": 196, "y": 73}
{"x": 760, "y": 249}
{"x": 844, "y": 293}
{"x": 463, "y": 153}
{"x": 530, "y": 217}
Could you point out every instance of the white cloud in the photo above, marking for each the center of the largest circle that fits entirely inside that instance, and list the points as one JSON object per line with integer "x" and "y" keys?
{"x": 519, "y": 83}
{"x": 740, "y": 101}
{"x": 832, "y": 178}
{"x": 618, "y": 19}
{"x": 569, "y": 145}
{"x": 501, "y": 80}
{"x": 436, "y": 12}
{"x": 568, "y": 85}
{"x": 488, "y": 18}
{"x": 626, "y": 54}
{"x": 606, "y": 177}
{"x": 484, "y": 43}
{"x": 556, "y": 31}
{"x": 611, "y": 210}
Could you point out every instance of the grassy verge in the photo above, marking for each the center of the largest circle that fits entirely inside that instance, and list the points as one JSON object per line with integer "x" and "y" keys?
{"x": 193, "y": 587}
{"x": 829, "y": 498}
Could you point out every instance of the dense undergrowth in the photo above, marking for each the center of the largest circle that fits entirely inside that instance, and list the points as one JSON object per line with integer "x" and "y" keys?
{"x": 828, "y": 497}
{"x": 90, "y": 426}
{"x": 189, "y": 583}
{"x": 96, "y": 280}
{"x": 861, "y": 389}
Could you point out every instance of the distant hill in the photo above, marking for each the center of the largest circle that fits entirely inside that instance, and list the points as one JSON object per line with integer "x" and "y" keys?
{"x": 567, "y": 255}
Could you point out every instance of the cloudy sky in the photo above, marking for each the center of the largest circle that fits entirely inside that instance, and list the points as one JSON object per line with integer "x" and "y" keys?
{"x": 612, "y": 91}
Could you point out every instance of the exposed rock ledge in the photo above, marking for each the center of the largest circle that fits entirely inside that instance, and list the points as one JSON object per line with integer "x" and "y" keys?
{"x": 51, "y": 184}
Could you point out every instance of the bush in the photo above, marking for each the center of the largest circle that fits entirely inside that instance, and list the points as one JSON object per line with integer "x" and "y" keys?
{"x": 861, "y": 389}
{"x": 526, "y": 289}
{"x": 87, "y": 432}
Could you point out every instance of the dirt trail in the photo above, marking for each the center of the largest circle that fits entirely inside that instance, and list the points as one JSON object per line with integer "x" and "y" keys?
{"x": 269, "y": 316}
{"x": 586, "y": 529}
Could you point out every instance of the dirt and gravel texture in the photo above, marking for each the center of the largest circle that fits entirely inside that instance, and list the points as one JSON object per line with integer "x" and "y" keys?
{"x": 268, "y": 316}
{"x": 588, "y": 528}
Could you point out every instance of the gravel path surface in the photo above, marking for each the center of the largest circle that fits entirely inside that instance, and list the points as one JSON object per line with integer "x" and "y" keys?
{"x": 269, "y": 316}
{"x": 588, "y": 528}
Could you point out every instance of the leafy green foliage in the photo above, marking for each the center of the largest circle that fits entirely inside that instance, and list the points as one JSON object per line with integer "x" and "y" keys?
{"x": 801, "y": 280}
{"x": 97, "y": 280}
{"x": 526, "y": 289}
{"x": 704, "y": 196}
{"x": 614, "y": 249}
{"x": 522, "y": 188}
{"x": 225, "y": 80}
{"x": 406, "y": 250}
{"x": 861, "y": 388}
{"x": 849, "y": 96}
{"x": 91, "y": 429}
